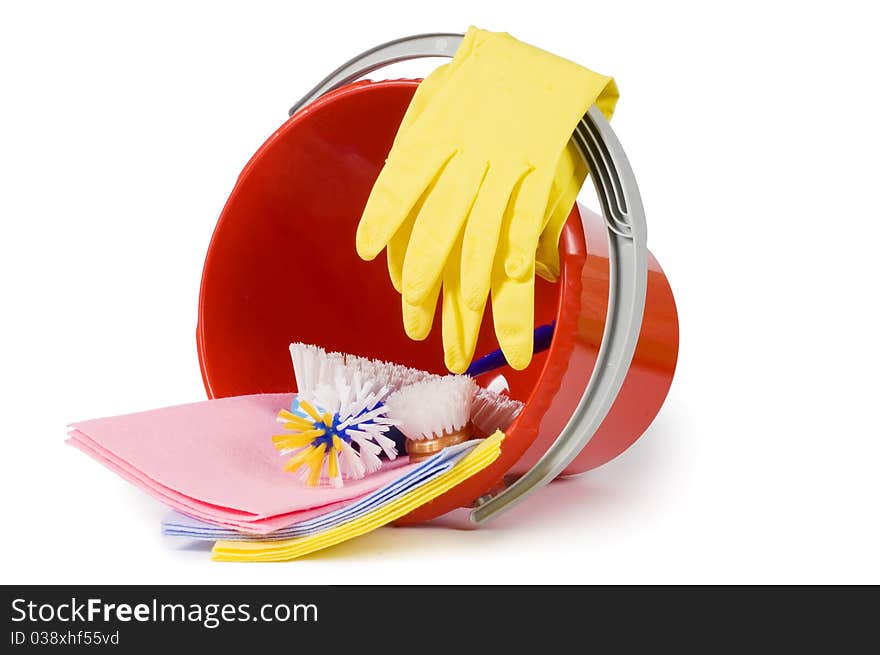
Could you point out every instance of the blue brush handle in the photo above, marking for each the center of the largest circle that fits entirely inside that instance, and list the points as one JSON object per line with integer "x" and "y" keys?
{"x": 496, "y": 359}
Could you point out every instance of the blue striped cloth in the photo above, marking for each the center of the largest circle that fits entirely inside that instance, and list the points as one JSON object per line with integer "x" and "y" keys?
{"x": 176, "y": 524}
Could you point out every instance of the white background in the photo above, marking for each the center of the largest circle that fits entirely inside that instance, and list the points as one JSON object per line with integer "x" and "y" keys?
{"x": 753, "y": 133}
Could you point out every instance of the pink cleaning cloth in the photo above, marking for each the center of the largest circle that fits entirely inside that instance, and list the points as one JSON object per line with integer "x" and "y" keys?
{"x": 190, "y": 506}
{"x": 215, "y": 460}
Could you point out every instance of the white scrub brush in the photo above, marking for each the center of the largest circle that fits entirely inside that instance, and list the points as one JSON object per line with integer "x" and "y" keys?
{"x": 314, "y": 366}
{"x": 433, "y": 414}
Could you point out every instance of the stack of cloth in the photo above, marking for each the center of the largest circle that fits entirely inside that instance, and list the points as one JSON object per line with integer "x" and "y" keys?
{"x": 215, "y": 465}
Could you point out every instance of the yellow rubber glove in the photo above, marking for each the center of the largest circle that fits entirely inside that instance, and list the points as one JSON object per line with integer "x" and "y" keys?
{"x": 461, "y": 323}
{"x": 281, "y": 550}
{"x": 476, "y": 164}
{"x": 571, "y": 171}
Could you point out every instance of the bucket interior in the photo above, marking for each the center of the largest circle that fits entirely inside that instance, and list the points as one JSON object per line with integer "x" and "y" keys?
{"x": 282, "y": 266}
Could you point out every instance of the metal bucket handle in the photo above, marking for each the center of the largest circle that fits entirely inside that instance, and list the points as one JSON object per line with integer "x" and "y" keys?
{"x": 627, "y": 255}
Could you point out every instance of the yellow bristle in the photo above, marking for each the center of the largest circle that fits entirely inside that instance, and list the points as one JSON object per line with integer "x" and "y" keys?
{"x": 328, "y": 419}
{"x": 293, "y": 418}
{"x": 296, "y": 427}
{"x": 308, "y": 434}
{"x": 297, "y": 460}
{"x": 314, "y": 433}
{"x": 291, "y": 441}
{"x": 337, "y": 443}
{"x": 315, "y": 461}
{"x": 311, "y": 411}
{"x": 299, "y": 426}
{"x": 333, "y": 467}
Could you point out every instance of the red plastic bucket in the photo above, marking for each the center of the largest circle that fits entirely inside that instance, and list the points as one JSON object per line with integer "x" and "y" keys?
{"x": 282, "y": 267}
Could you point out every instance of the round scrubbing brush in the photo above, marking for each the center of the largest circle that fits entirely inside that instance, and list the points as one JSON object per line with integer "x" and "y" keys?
{"x": 338, "y": 433}
{"x": 433, "y": 414}
{"x": 313, "y": 367}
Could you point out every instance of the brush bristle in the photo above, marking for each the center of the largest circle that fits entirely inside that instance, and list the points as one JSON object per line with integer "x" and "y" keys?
{"x": 491, "y": 411}
{"x": 432, "y": 407}
{"x": 332, "y": 414}
{"x": 315, "y": 367}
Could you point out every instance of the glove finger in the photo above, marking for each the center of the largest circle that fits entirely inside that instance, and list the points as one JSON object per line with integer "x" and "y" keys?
{"x": 608, "y": 98}
{"x": 542, "y": 270}
{"x": 547, "y": 253}
{"x": 427, "y": 89}
{"x": 526, "y": 224}
{"x": 570, "y": 175}
{"x": 396, "y": 252}
{"x": 438, "y": 225}
{"x": 398, "y": 244}
{"x": 513, "y": 312}
{"x": 461, "y": 324}
{"x": 418, "y": 319}
{"x": 405, "y": 176}
{"x": 481, "y": 233}
{"x": 513, "y": 305}
{"x": 571, "y": 172}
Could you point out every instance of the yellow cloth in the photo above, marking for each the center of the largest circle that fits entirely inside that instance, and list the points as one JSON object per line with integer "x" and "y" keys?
{"x": 275, "y": 551}
{"x": 480, "y": 168}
